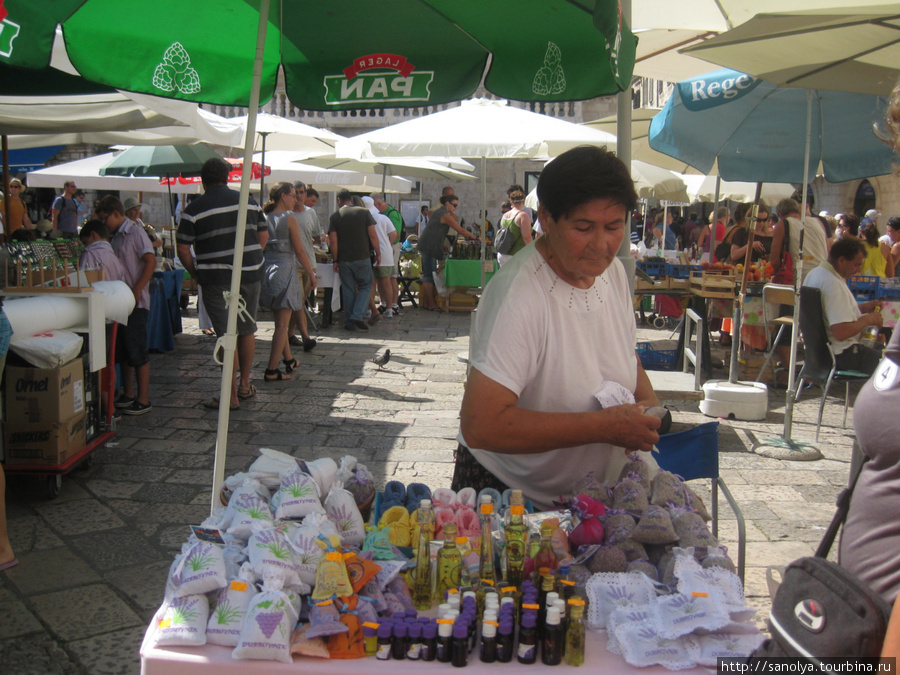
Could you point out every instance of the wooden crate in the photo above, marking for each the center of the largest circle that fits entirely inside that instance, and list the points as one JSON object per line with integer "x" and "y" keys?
{"x": 53, "y": 277}
{"x": 713, "y": 283}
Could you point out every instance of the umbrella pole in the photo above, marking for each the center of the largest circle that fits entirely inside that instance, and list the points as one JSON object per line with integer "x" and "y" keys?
{"x": 483, "y": 211}
{"x": 228, "y": 342}
{"x": 262, "y": 171}
{"x": 715, "y": 221}
{"x": 383, "y": 178}
{"x": 737, "y": 315}
{"x": 172, "y": 222}
{"x": 7, "y": 203}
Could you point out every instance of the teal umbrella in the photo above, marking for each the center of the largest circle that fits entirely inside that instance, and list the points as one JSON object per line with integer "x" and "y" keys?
{"x": 159, "y": 160}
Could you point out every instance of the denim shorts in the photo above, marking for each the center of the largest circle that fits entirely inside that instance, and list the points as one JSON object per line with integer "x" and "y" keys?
{"x": 429, "y": 267}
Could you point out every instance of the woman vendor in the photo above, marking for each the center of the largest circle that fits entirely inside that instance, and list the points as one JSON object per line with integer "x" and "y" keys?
{"x": 556, "y": 326}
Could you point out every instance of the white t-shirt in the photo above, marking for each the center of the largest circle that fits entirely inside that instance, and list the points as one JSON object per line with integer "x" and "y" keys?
{"x": 384, "y": 227}
{"x": 815, "y": 244}
{"x": 553, "y": 345}
{"x": 309, "y": 228}
{"x": 838, "y": 303}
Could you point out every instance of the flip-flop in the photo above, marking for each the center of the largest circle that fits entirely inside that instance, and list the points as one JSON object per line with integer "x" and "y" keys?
{"x": 9, "y": 564}
{"x": 245, "y": 393}
{"x": 213, "y": 404}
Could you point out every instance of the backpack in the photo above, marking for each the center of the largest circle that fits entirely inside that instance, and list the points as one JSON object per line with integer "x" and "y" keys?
{"x": 821, "y": 610}
{"x": 504, "y": 241}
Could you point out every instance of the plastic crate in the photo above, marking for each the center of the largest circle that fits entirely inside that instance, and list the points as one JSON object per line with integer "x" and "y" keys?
{"x": 656, "y": 359}
{"x": 864, "y": 287}
{"x": 889, "y": 289}
{"x": 681, "y": 271}
{"x": 653, "y": 268}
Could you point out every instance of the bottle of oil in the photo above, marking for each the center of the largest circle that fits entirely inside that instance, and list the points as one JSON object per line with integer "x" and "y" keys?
{"x": 486, "y": 575}
{"x": 516, "y": 538}
{"x": 449, "y": 564}
{"x": 552, "y": 641}
{"x": 422, "y": 585}
{"x": 575, "y": 633}
{"x": 869, "y": 337}
{"x": 545, "y": 556}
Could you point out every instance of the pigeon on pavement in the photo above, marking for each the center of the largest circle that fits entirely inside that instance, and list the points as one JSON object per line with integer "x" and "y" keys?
{"x": 381, "y": 360}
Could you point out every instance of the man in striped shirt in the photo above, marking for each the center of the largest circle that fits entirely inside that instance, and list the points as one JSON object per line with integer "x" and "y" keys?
{"x": 209, "y": 225}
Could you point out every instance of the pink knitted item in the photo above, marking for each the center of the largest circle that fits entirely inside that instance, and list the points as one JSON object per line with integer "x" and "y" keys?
{"x": 468, "y": 525}
{"x": 466, "y": 498}
{"x": 444, "y": 498}
{"x": 442, "y": 516}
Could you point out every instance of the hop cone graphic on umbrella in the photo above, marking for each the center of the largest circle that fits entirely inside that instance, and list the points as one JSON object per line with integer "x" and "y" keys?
{"x": 175, "y": 72}
{"x": 550, "y": 78}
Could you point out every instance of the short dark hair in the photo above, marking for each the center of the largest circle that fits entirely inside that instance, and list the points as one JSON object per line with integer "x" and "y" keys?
{"x": 581, "y": 175}
{"x": 851, "y": 222}
{"x": 513, "y": 188}
{"x": 299, "y": 185}
{"x": 109, "y": 204}
{"x": 343, "y": 196}
{"x": 847, "y": 248}
{"x": 92, "y": 226}
{"x": 894, "y": 223}
{"x": 311, "y": 191}
{"x": 214, "y": 172}
{"x": 448, "y": 198}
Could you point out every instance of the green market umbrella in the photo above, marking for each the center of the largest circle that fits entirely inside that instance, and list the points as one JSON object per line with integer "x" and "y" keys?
{"x": 159, "y": 160}
{"x": 336, "y": 55}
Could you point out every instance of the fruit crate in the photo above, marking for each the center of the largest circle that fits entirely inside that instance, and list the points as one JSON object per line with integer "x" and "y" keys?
{"x": 656, "y": 359}
{"x": 864, "y": 287}
{"x": 713, "y": 283}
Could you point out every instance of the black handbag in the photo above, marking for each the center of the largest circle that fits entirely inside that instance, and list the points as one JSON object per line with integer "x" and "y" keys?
{"x": 821, "y": 610}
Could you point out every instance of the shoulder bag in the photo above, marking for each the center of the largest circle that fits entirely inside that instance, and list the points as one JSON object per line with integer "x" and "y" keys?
{"x": 723, "y": 248}
{"x": 821, "y": 610}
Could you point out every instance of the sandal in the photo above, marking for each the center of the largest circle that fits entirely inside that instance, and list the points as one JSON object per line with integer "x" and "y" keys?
{"x": 275, "y": 375}
{"x": 289, "y": 365}
{"x": 213, "y": 404}
{"x": 246, "y": 392}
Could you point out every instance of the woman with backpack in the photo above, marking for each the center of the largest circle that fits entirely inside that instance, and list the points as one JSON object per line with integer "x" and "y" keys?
{"x": 518, "y": 221}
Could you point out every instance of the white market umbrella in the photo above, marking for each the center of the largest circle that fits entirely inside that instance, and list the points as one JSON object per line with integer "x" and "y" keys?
{"x": 482, "y": 128}
{"x": 415, "y": 167}
{"x": 702, "y": 189}
{"x": 284, "y": 168}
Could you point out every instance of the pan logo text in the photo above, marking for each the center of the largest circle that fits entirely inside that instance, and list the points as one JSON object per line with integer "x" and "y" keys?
{"x": 703, "y": 93}
{"x": 393, "y": 80}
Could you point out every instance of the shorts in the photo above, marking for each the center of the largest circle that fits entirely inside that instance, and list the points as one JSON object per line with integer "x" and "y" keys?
{"x": 429, "y": 267}
{"x": 396, "y": 246}
{"x": 214, "y": 302}
{"x": 383, "y": 272}
{"x": 306, "y": 281}
{"x": 131, "y": 340}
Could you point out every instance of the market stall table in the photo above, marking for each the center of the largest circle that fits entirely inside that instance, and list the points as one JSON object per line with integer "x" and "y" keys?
{"x": 216, "y": 659}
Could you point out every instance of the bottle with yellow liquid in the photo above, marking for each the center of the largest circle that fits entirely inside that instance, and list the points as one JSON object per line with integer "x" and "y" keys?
{"x": 449, "y": 564}
{"x": 516, "y": 538}
{"x": 422, "y": 574}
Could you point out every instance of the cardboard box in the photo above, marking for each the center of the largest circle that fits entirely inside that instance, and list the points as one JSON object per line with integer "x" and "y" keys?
{"x": 45, "y": 444}
{"x": 44, "y": 395}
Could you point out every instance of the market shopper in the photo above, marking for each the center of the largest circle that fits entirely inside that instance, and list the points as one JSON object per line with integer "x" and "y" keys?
{"x": 351, "y": 231}
{"x": 554, "y": 327}
{"x": 310, "y": 232}
{"x": 18, "y": 211}
{"x": 519, "y": 221}
{"x": 98, "y": 253}
{"x": 135, "y": 252}
{"x": 431, "y": 245}
{"x": 282, "y": 290}
{"x": 397, "y": 220}
{"x": 64, "y": 211}
{"x": 208, "y": 224}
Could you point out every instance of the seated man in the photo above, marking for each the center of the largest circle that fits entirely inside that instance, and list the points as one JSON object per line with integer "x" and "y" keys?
{"x": 845, "y": 318}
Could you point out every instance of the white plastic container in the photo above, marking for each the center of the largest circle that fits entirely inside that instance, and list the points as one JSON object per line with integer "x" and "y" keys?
{"x": 735, "y": 400}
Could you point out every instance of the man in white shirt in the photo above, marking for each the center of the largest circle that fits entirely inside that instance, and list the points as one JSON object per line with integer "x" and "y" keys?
{"x": 387, "y": 235}
{"x": 309, "y": 231}
{"x": 846, "y": 319}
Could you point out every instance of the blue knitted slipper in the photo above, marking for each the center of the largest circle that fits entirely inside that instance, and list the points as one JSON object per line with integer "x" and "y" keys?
{"x": 394, "y": 495}
{"x": 416, "y": 492}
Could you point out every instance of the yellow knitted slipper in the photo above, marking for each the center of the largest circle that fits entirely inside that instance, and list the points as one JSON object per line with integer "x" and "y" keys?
{"x": 396, "y": 519}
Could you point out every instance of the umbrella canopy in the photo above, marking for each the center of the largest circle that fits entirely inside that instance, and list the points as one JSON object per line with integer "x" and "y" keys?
{"x": 284, "y": 134}
{"x": 854, "y": 49}
{"x": 703, "y": 189}
{"x": 159, "y": 160}
{"x": 417, "y": 167}
{"x": 285, "y": 168}
{"x": 653, "y": 182}
{"x": 757, "y": 131}
{"x": 481, "y": 128}
{"x": 396, "y": 53}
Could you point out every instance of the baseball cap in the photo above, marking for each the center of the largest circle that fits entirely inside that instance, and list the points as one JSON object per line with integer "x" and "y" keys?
{"x": 873, "y": 213}
{"x": 130, "y": 203}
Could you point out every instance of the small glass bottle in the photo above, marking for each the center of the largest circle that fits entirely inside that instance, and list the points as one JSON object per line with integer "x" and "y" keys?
{"x": 560, "y": 605}
{"x": 545, "y": 556}
{"x": 552, "y": 640}
{"x": 489, "y": 642}
{"x": 414, "y": 645}
{"x": 486, "y": 552}
{"x": 516, "y": 539}
{"x": 445, "y": 639}
{"x": 370, "y": 637}
{"x": 399, "y": 641}
{"x": 449, "y": 564}
{"x": 383, "y": 652}
{"x": 575, "y": 633}
{"x": 527, "y": 649}
{"x": 505, "y": 641}
{"x": 422, "y": 586}
{"x": 547, "y": 585}
{"x": 429, "y": 642}
{"x": 459, "y": 647}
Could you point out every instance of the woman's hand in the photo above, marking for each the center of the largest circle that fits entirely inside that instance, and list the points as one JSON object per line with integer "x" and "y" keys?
{"x": 627, "y": 426}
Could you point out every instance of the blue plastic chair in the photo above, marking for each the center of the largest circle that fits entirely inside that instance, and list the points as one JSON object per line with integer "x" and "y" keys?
{"x": 694, "y": 454}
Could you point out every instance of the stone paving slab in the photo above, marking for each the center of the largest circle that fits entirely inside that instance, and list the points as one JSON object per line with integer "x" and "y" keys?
{"x": 94, "y": 561}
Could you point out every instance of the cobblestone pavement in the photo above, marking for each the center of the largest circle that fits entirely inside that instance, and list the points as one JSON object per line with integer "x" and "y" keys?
{"x": 94, "y": 560}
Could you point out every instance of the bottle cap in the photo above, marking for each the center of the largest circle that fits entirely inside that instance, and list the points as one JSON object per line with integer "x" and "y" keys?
{"x": 443, "y": 608}
{"x": 560, "y": 604}
{"x": 415, "y": 630}
{"x": 506, "y": 626}
{"x": 371, "y": 629}
{"x": 516, "y": 498}
{"x": 411, "y": 613}
{"x": 489, "y": 616}
{"x": 425, "y": 504}
{"x": 489, "y": 630}
{"x": 450, "y": 532}
{"x": 507, "y": 601}
{"x": 400, "y": 630}
{"x": 429, "y": 631}
{"x": 424, "y": 620}
{"x": 552, "y": 616}
{"x": 543, "y": 571}
{"x": 452, "y": 614}
{"x": 453, "y": 600}
{"x": 461, "y": 631}
{"x": 384, "y": 630}
{"x": 445, "y": 630}
{"x": 529, "y": 620}
{"x": 552, "y": 597}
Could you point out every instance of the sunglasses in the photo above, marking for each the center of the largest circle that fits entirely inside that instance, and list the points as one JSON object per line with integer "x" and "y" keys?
{"x": 454, "y": 203}
{"x": 762, "y": 220}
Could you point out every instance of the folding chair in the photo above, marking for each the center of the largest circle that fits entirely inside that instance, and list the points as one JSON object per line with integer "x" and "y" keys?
{"x": 779, "y": 295}
{"x": 819, "y": 364}
{"x": 694, "y": 454}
